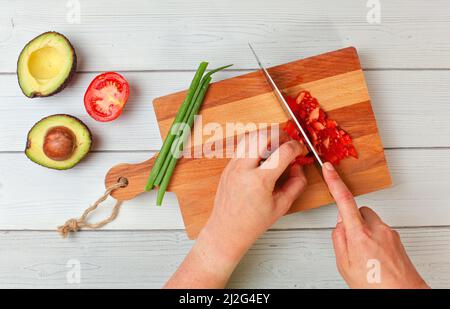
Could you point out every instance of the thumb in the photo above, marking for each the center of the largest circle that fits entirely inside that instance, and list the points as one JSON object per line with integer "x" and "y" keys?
{"x": 291, "y": 189}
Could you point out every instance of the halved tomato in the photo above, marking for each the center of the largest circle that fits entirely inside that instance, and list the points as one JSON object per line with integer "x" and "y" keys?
{"x": 106, "y": 96}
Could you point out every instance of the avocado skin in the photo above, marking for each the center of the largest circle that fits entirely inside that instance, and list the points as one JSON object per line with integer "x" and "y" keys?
{"x": 29, "y": 141}
{"x": 69, "y": 77}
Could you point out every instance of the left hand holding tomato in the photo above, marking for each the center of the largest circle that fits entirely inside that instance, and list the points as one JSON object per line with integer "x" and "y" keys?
{"x": 248, "y": 201}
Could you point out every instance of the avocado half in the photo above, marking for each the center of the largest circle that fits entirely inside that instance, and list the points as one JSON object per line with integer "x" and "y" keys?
{"x": 58, "y": 142}
{"x": 46, "y": 64}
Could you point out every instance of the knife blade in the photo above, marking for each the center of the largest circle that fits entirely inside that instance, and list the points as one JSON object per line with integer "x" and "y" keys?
{"x": 285, "y": 106}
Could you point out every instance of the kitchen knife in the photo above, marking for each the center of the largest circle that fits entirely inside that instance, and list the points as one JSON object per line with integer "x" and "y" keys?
{"x": 285, "y": 106}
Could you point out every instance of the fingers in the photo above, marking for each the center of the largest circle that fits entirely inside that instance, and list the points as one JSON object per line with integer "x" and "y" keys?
{"x": 250, "y": 148}
{"x": 351, "y": 217}
{"x": 370, "y": 217}
{"x": 292, "y": 188}
{"x": 247, "y": 150}
{"x": 340, "y": 245}
{"x": 278, "y": 161}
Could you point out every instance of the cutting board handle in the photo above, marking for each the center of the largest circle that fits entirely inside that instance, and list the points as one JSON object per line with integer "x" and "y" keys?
{"x": 136, "y": 176}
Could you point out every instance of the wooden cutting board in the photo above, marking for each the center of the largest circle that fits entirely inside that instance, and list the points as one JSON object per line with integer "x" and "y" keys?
{"x": 335, "y": 79}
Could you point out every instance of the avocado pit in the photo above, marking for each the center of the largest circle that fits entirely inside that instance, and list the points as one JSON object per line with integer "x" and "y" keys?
{"x": 59, "y": 143}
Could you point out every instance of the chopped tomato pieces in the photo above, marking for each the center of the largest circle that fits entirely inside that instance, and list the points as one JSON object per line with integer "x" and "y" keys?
{"x": 331, "y": 142}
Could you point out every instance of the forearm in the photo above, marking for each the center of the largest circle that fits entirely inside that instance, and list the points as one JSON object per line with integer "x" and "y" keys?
{"x": 209, "y": 264}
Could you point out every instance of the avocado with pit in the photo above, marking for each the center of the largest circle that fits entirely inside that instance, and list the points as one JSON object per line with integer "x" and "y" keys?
{"x": 45, "y": 65}
{"x": 58, "y": 142}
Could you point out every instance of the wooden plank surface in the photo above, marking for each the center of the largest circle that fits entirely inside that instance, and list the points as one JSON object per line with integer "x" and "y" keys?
{"x": 154, "y": 35}
{"x": 279, "y": 259}
{"x": 170, "y": 37}
{"x": 403, "y": 102}
{"x": 34, "y": 198}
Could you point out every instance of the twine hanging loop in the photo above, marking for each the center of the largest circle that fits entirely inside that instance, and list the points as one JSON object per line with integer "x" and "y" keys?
{"x": 73, "y": 225}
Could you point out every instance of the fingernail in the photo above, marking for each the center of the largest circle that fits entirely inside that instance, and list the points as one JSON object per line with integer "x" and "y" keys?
{"x": 328, "y": 166}
{"x": 339, "y": 218}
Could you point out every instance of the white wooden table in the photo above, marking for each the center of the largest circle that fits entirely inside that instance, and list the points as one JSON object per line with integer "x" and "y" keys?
{"x": 157, "y": 45}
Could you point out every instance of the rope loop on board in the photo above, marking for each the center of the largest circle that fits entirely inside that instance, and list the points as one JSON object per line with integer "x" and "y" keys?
{"x": 74, "y": 224}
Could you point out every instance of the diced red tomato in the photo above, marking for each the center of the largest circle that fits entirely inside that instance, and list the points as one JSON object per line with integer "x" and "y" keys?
{"x": 331, "y": 142}
{"x": 292, "y": 131}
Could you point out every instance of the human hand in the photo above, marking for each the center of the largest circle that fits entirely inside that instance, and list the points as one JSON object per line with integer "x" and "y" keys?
{"x": 249, "y": 199}
{"x": 369, "y": 254}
